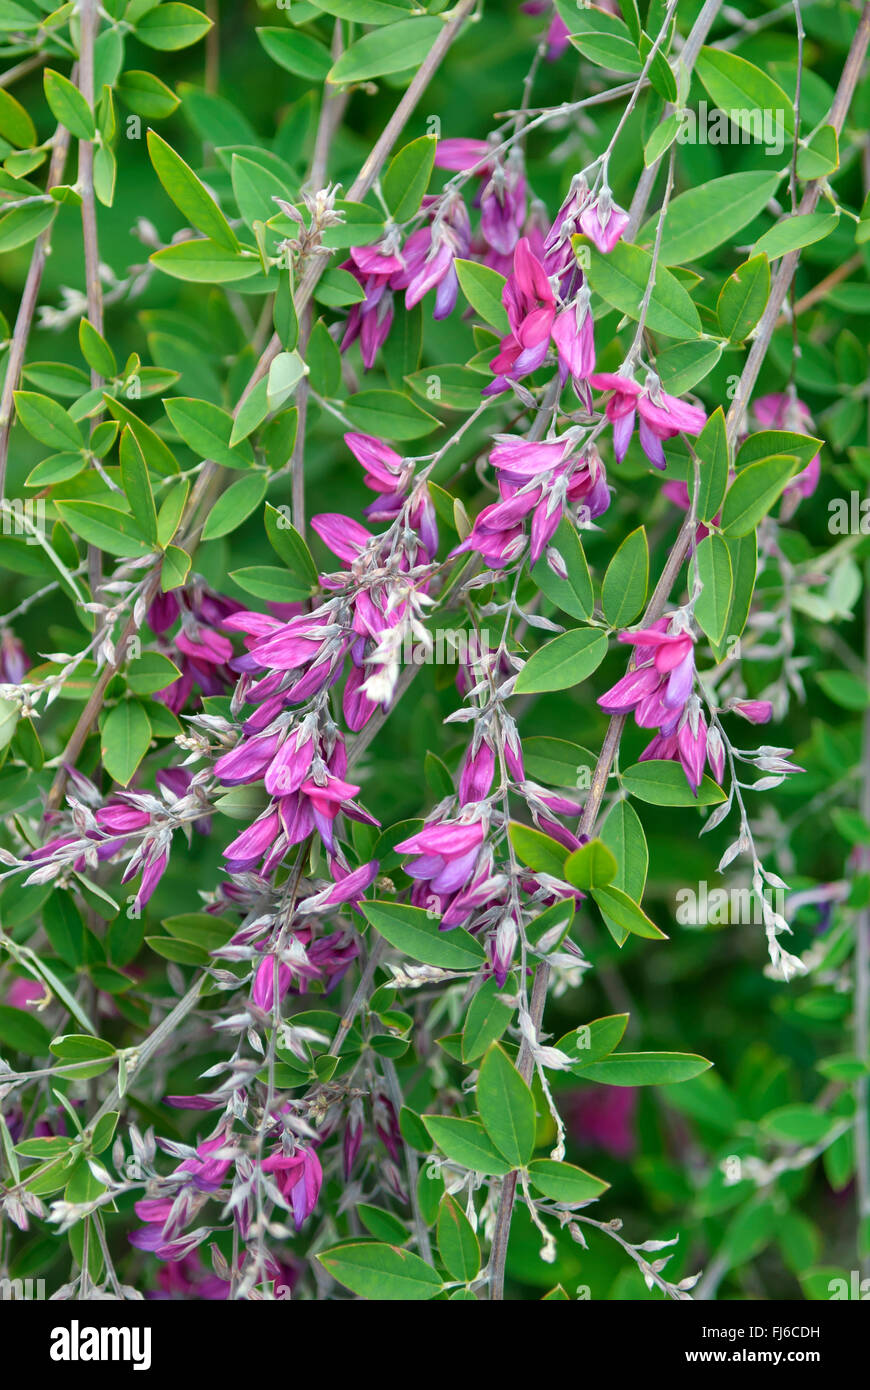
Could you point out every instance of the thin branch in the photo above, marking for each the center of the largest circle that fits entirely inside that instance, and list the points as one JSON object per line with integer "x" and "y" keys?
{"x": 89, "y": 20}
{"x": 367, "y": 175}
{"x": 27, "y": 307}
{"x": 688, "y": 57}
{"x": 331, "y": 111}
{"x": 839, "y": 110}
{"x": 655, "y": 609}
{"x": 862, "y": 997}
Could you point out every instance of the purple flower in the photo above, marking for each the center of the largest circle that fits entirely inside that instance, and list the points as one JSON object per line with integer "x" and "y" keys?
{"x": 756, "y": 711}
{"x": 445, "y": 856}
{"x": 503, "y": 208}
{"x": 603, "y": 222}
{"x": 429, "y": 255}
{"x": 14, "y": 662}
{"x": 661, "y": 416}
{"x": 540, "y": 479}
{"x": 531, "y": 309}
{"x": 299, "y": 1177}
{"x": 478, "y": 769}
{"x": 370, "y": 321}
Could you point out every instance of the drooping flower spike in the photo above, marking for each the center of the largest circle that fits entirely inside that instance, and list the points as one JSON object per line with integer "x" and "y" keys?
{"x": 543, "y": 480}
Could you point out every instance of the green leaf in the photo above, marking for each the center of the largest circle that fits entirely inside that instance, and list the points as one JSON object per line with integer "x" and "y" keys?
{"x": 394, "y": 48}
{"x": 254, "y": 189}
{"x": 685, "y": 364}
{"x": 118, "y": 533}
{"x": 792, "y": 233}
{"x": 448, "y": 385}
{"x": 661, "y": 139}
{"x": 590, "y": 866}
{"x": 602, "y": 38}
{"x": 149, "y": 672}
{"x": 621, "y": 277}
{"x": 711, "y": 446}
{"x": 206, "y": 262}
{"x": 539, "y": 851}
{"x": 846, "y": 690}
{"x": 574, "y": 594}
{"x": 95, "y": 350}
{"x": 412, "y": 931}
{"x": 565, "y": 661}
{"x": 180, "y": 952}
{"x": 594, "y": 1040}
{"x": 557, "y": 762}
{"x": 623, "y": 835}
{"x": 278, "y": 439}
{"x": 645, "y": 1068}
{"x": 621, "y": 912}
{"x": 797, "y": 1124}
{"x": 251, "y": 413}
{"x": 22, "y": 225}
{"x": 623, "y": 591}
{"x": 175, "y": 568}
{"x": 9, "y": 716}
{"x": 389, "y": 414}
{"x": 47, "y": 421}
{"x": 381, "y": 1224}
{"x": 270, "y": 583}
{"x": 23, "y": 1032}
{"x": 712, "y": 567}
{"x": 703, "y": 217}
{"x": 285, "y": 373}
{"x": 457, "y": 1243}
{"x": 156, "y": 453}
{"x": 15, "y": 124}
{"x": 124, "y": 740}
{"x": 338, "y": 288}
{"x": 753, "y": 493}
{"x": 483, "y": 289}
{"x": 68, "y": 106}
{"x": 744, "y": 565}
{"x": 362, "y": 225}
{"x": 297, "y": 52}
{"x": 487, "y": 1019}
{"x": 65, "y": 929}
{"x": 821, "y": 156}
{"x": 80, "y": 1047}
{"x": 548, "y": 929}
{"x": 407, "y": 177}
{"x": 206, "y": 429}
{"x": 171, "y": 26}
{"x": 662, "y": 783}
{"x": 235, "y": 505}
{"x": 563, "y": 1182}
{"x": 747, "y": 94}
{"x": 189, "y": 195}
{"x": 104, "y": 1132}
{"x": 367, "y": 11}
{"x": 324, "y": 361}
{"x": 200, "y": 929}
{"x": 381, "y": 1272}
{"x": 289, "y": 546}
{"x": 743, "y": 297}
{"x": 145, "y": 94}
{"x": 506, "y": 1107}
{"x": 466, "y": 1142}
{"x": 765, "y": 443}
{"x": 137, "y": 484}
